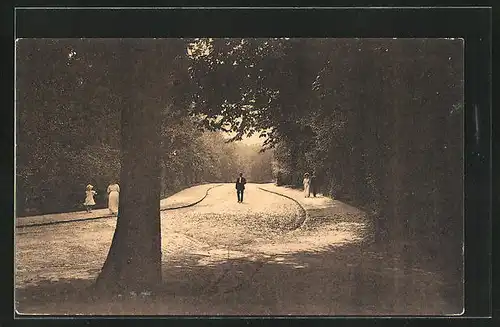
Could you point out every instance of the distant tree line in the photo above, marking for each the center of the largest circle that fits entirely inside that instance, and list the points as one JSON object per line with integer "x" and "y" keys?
{"x": 68, "y": 133}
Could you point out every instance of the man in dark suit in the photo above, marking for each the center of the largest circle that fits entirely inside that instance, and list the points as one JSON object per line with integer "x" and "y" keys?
{"x": 240, "y": 187}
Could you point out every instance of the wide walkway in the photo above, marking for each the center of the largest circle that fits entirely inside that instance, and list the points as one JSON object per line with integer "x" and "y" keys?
{"x": 261, "y": 257}
{"x": 182, "y": 198}
{"x": 320, "y": 208}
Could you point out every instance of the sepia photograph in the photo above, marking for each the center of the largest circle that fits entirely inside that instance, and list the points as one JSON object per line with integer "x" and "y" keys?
{"x": 239, "y": 176}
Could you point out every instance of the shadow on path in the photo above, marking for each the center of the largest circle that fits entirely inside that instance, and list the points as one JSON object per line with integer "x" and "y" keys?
{"x": 341, "y": 280}
{"x": 326, "y": 267}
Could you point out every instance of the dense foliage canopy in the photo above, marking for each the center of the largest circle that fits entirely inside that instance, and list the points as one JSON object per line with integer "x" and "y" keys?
{"x": 378, "y": 120}
{"x": 69, "y": 123}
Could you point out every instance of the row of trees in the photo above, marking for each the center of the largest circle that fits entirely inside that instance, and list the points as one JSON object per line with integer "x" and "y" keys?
{"x": 68, "y": 133}
{"x": 379, "y": 120}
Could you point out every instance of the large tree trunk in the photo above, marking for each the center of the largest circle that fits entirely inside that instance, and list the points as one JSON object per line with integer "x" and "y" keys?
{"x": 134, "y": 259}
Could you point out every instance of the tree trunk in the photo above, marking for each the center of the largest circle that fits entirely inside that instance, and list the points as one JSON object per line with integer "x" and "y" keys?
{"x": 134, "y": 259}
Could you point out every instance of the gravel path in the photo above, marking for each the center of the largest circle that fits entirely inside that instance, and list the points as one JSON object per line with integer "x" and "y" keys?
{"x": 221, "y": 257}
{"x": 182, "y": 198}
{"x": 219, "y": 223}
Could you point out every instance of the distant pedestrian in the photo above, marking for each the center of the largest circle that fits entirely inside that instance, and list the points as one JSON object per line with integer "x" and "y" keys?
{"x": 113, "y": 198}
{"x": 240, "y": 187}
{"x": 313, "y": 184}
{"x": 89, "y": 198}
{"x": 279, "y": 178}
{"x": 307, "y": 185}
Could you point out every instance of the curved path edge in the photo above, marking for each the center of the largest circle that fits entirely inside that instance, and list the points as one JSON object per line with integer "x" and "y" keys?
{"x": 304, "y": 216}
{"x": 191, "y": 204}
{"x": 111, "y": 215}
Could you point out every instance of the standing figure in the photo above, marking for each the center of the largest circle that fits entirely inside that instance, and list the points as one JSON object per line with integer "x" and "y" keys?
{"x": 313, "y": 182}
{"x": 307, "y": 185}
{"x": 279, "y": 178}
{"x": 113, "y": 198}
{"x": 240, "y": 187}
{"x": 89, "y": 198}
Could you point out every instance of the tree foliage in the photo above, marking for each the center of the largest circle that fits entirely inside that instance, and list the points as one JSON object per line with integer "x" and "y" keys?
{"x": 379, "y": 120}
{"x": 69, "y": 126}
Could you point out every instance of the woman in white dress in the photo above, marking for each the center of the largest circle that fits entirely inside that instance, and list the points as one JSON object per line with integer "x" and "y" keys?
{"x": 113, "y": 198}
{"x": 89, "y": 198}
{"x": 307, "y": 185}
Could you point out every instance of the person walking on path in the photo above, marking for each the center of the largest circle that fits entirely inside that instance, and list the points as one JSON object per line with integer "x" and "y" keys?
{"x": 240, "y": 187}
{"x": 307, "y": 185}
{"x": 89, "y": 198}
{"x": 113, "y": 198}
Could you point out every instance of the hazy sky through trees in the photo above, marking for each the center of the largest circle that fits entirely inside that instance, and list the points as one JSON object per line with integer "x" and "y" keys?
{"x": 250, "y": 140}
